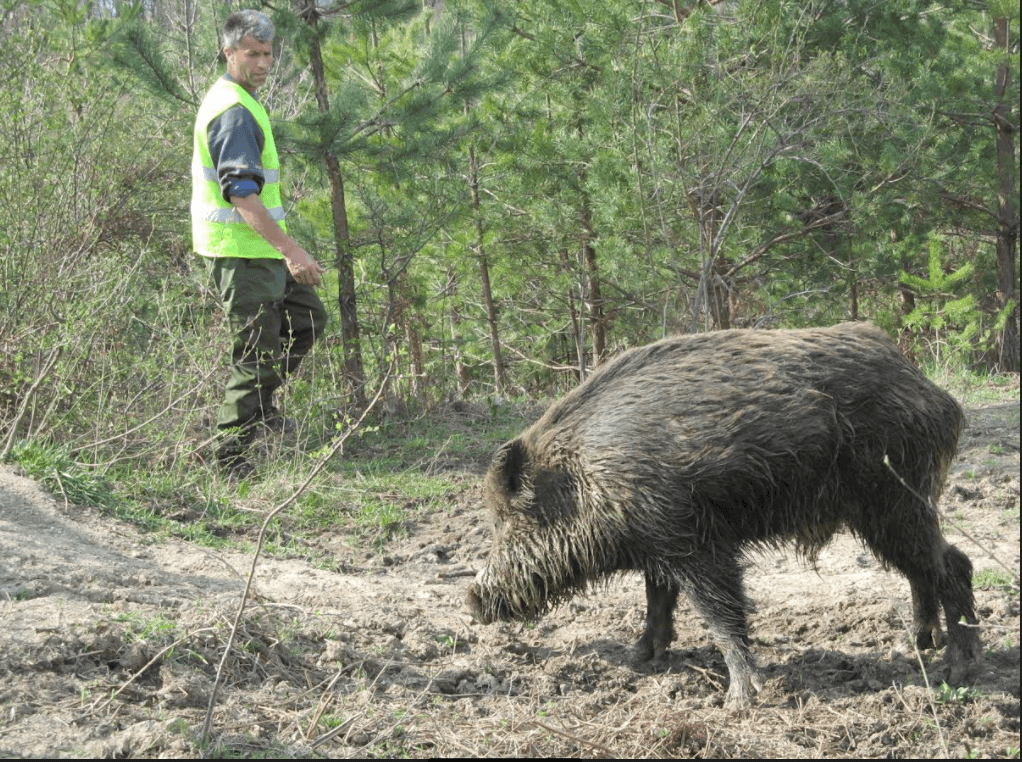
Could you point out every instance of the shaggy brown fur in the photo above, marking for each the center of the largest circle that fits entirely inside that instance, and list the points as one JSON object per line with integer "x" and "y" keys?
{"x": 676, "y": 458}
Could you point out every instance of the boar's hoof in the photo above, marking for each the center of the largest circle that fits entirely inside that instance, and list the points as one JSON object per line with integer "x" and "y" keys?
{"x": 961, "y": 660}
{"x": 644, "y": 654}
{"x": 740, "y": 692}
{"x": 958, "y": 673}
{"x": 642, "y": 651}
{"x": 929, "y": 637}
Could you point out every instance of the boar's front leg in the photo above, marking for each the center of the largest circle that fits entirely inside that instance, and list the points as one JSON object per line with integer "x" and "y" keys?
{"x": 659, "y": 632}
{"x": 713, "y": 582}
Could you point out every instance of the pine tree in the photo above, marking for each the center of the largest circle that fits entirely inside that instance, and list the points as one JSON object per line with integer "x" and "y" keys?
{"x": 391, "y": 81}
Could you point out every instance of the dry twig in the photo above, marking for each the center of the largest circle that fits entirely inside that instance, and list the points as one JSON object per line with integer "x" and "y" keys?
{"x": 259, "y": 545}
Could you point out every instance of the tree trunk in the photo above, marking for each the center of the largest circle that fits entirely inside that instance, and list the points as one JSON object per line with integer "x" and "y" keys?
{"x": 592, "y": 296}
{"x": 1007, "y": 220}
{"x": 853, "y": 287}
{"x": 578, "y": 328}
{"x": 416, "y": 361}
{"x": 908, "y": 306}
{"x": 499, "y": 377}
{"x": 596, "y": 311}
{"x": 460, "y": 368}
{"x": 346, "y": 294}
{"x": 714, "y": 281}
{"x": 719, "y": 289}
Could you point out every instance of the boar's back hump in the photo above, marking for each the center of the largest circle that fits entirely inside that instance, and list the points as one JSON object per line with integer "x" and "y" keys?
{"x": 703, "y": 406}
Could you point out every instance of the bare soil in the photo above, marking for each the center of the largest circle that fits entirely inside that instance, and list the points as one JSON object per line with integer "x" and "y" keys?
{"x": 110, "y": 642}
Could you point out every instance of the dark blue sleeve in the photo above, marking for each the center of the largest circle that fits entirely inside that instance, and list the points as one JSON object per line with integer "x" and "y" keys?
{"x": 236, "y": 147}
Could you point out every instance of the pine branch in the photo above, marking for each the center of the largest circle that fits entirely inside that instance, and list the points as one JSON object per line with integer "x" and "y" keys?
{"x": 156, "y": 73}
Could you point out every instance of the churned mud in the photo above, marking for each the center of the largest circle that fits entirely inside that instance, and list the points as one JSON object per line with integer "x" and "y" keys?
{"x": 110, "y": 642}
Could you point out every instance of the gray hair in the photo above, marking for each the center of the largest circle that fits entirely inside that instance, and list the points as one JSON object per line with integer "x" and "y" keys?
{"x": 247, "y": 22}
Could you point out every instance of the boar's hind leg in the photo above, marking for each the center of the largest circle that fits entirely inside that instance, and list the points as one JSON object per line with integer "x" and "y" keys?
{"x": 956, "y": 595}
{"x": 713, "y": 583}
{"x": 938, "y": 574}
{"x": 659, "y": 632}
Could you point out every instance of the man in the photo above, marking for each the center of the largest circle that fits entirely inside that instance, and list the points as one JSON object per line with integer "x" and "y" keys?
{"x": 265, "y": 278}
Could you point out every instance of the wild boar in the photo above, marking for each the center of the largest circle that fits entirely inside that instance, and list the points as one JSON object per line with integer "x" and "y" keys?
{"x": 678, "y": 458}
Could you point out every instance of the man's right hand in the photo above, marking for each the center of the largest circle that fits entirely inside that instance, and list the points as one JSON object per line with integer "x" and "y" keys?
{"x": 303, "y": 268}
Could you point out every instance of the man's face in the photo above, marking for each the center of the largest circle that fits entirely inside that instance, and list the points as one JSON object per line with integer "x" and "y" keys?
{"x": 250, "y": 62}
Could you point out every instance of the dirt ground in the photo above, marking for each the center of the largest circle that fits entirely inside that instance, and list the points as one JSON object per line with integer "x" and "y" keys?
{"x": 110, "y": 642}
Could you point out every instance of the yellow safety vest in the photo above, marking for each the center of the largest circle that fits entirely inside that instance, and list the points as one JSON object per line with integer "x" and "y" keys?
{"x": 218, "y": 230}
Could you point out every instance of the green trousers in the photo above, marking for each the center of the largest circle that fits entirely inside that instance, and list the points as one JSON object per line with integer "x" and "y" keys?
{"x": 275, "y": 322}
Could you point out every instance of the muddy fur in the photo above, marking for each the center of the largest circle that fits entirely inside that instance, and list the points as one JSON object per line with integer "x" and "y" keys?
{"x": 678, "y": 458}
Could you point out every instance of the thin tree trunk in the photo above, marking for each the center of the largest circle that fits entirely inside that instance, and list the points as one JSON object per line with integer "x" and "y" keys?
{"x": 853, "y": 289}
{"x": 596, "y": 306}
{"x": 578, "y": 327}
{"x": 908, "y": 306}
{"x": 592, "y": 296}
{"x": 1007, "y": 220}
{"x": 718, "y": 294}
{"x": 391, "y": 395}
{"x": 346, "y": 294}
{"x": 460, "y": 368}
{"x": 499, "y": 376}
{"x": 714, "y": 281}
{"x": 416, "y": 362}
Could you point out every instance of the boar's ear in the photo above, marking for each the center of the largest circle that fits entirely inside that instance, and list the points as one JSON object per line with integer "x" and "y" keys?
{"x": 508, "y": 464}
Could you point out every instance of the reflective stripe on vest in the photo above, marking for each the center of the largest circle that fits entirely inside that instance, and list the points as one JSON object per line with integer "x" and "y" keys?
{"x": 208, "y": 173}
{"x": 218, "y": 230}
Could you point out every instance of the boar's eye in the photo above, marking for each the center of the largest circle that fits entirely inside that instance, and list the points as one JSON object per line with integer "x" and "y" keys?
{"x": 508, "y": 464}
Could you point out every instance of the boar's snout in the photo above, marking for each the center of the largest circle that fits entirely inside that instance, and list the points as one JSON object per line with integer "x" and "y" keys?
{"x": 474, "y": 600}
